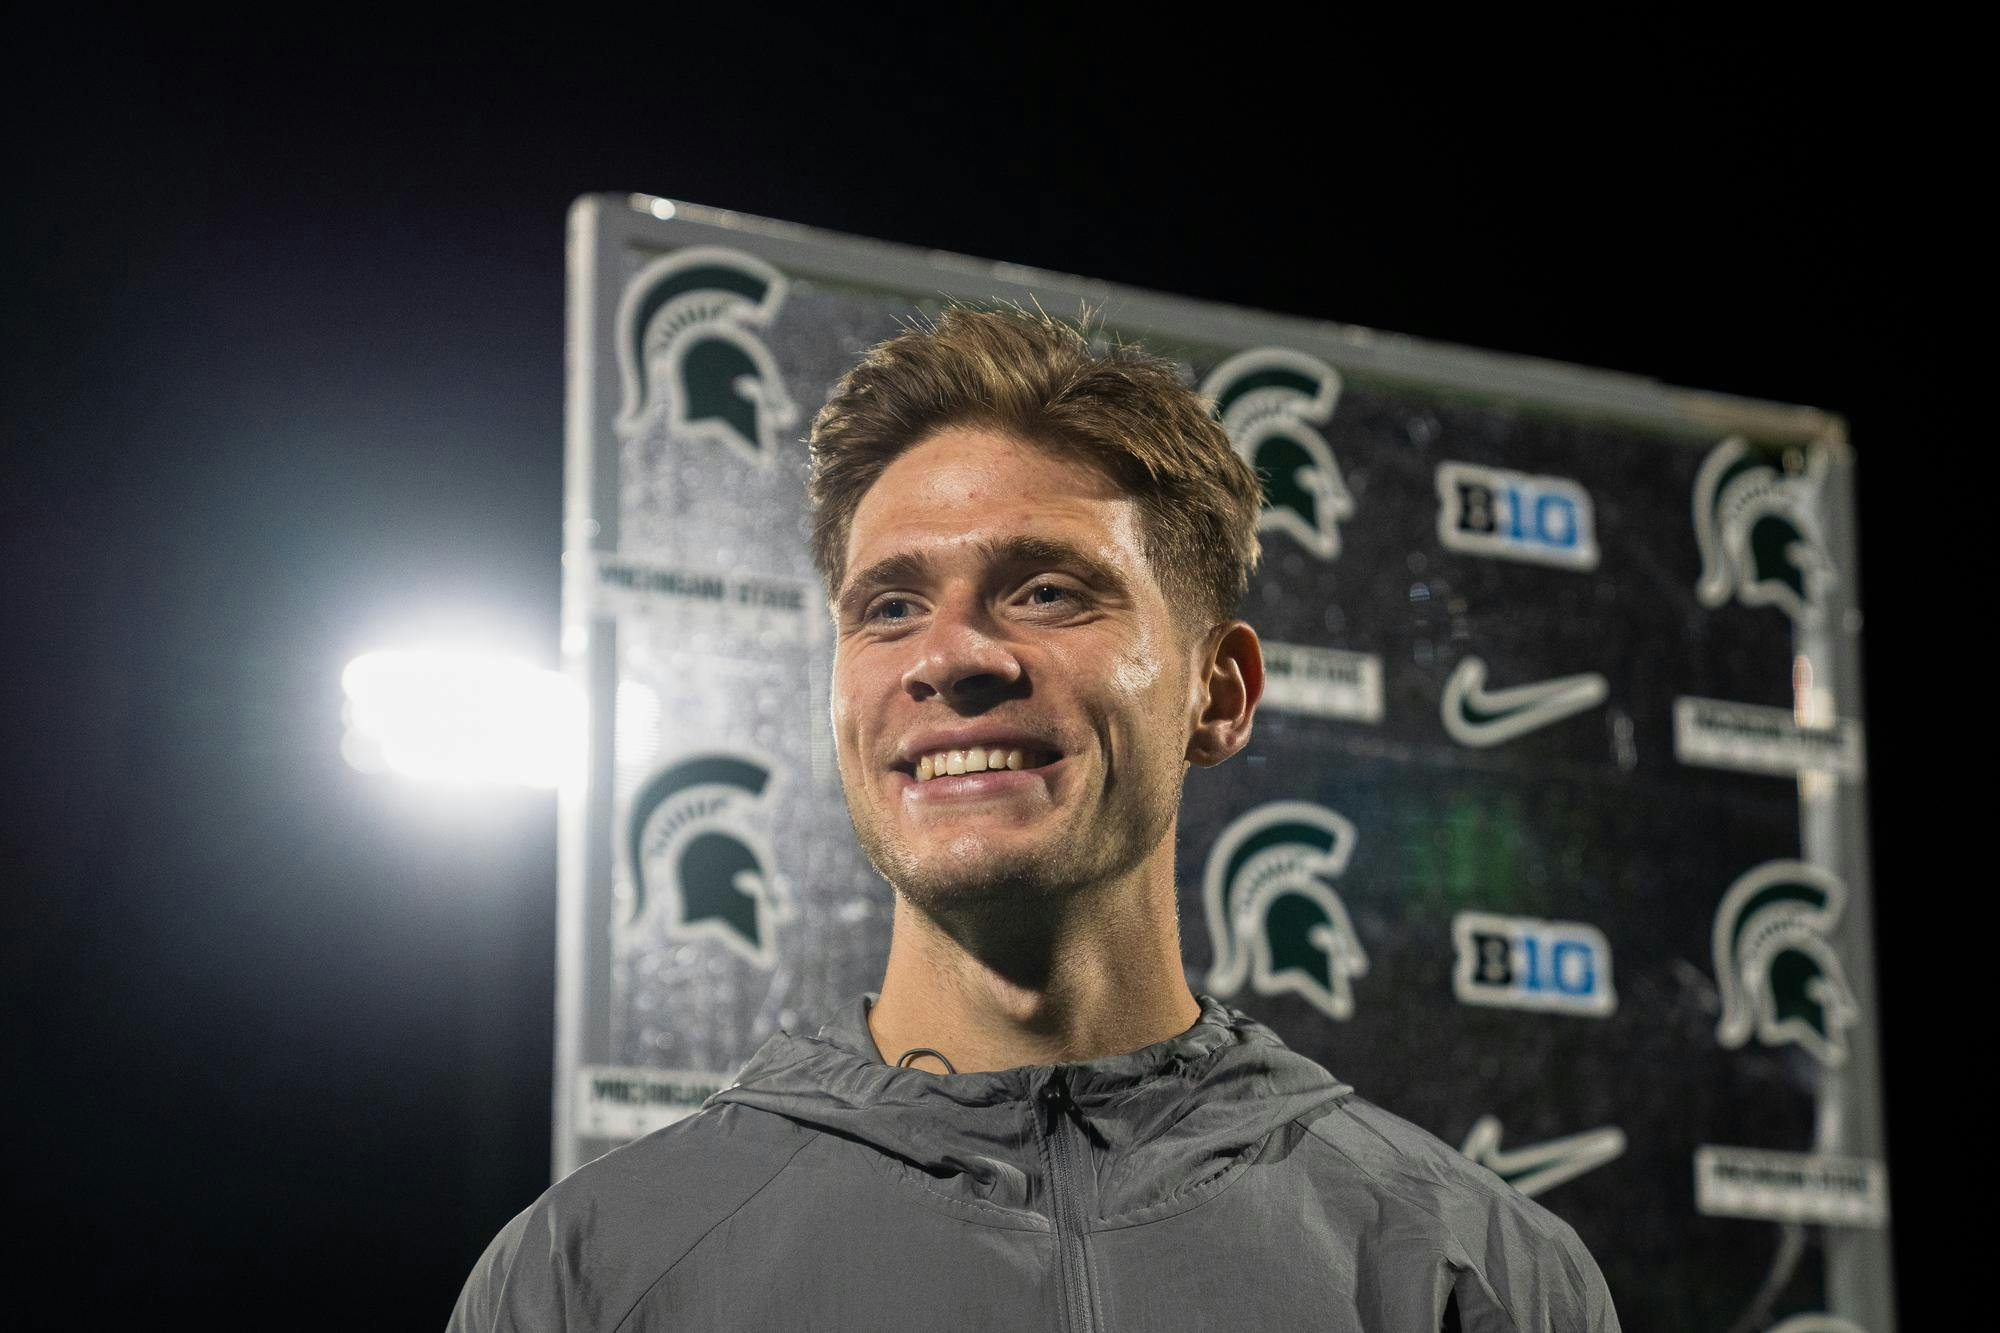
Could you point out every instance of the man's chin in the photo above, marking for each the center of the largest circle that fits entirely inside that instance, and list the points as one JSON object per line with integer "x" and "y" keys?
{"x": 973, "y": 872}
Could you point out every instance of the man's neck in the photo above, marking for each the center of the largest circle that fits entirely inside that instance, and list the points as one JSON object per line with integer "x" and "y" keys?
{"x": 1091, "y": 992}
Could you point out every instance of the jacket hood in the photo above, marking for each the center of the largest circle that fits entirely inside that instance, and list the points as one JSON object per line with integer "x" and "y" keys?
{"x": 1158, "y": 1120}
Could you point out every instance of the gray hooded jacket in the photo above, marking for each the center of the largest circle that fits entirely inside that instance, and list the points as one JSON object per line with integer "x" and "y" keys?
{"x": 1217, "y": 1180}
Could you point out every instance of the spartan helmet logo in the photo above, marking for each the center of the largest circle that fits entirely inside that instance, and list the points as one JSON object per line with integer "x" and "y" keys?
{"x": 695, "y": 856}
{"x": 1270, "y": 399}
{"x": 1780, "y": 978}
{"x": 1272, "y": 916}
{"x": 685, "y": 337}
{"x": 1753, "y": 519}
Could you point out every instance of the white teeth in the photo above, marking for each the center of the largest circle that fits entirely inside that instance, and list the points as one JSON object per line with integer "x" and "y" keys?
{"x": 978, "y": 759}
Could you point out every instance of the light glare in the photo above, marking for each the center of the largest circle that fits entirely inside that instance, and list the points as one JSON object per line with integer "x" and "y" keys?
{"x": 461, "y": 717}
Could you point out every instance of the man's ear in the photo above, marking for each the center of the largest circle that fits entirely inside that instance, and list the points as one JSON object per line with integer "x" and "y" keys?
{"x": 1228, "y": 683}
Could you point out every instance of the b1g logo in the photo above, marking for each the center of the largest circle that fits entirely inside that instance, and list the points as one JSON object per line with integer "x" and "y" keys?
{"x": 1273, "y": 916}
{"x": 699, "y": 855}
{"x": 1775, "y": 964}
{"x": 1271, "y": 401}
{"x": 1754, "y": 521}
{"x": 1521, "y": 962}
{"x": 1492, "y": 511}
{"x": 687, "y": 336}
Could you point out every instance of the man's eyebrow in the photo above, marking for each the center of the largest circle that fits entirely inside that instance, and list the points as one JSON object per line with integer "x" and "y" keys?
{"x": 915, "y": 566}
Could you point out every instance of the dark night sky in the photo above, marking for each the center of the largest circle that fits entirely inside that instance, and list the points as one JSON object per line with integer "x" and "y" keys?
{"x": 284, "y": 382}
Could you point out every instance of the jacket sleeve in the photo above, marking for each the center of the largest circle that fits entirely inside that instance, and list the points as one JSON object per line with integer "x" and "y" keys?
{"x": 490, "y": 1301}
{"x": 1551, "y": 1287}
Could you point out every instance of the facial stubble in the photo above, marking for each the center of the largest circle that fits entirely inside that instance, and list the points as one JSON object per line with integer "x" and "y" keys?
{"x": 973, "y": 876}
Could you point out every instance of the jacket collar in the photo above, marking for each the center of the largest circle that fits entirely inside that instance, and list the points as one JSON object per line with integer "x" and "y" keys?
{"x": 1154, "y": 1120}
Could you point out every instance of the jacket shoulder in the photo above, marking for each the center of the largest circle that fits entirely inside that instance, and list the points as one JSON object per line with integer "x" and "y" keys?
{"x": 1518, "y": 1265}
{"x": 581, "y": 1256}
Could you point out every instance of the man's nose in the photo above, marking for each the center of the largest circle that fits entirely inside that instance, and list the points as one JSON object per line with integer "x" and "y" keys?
{"x": 962, "y": 654}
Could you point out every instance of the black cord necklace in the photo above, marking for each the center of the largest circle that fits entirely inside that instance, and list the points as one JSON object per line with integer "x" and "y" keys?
{"x": 904, "y": 1061}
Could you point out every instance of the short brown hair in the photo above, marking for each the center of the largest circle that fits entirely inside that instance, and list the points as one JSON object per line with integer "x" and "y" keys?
{"x": 1037, "y": 379}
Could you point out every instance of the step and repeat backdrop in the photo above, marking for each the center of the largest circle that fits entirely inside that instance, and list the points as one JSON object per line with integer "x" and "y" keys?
{"x": 1551, "y": 834}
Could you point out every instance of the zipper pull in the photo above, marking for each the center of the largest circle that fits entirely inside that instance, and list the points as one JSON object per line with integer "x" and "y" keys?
{"x": 1055, "y": 1096}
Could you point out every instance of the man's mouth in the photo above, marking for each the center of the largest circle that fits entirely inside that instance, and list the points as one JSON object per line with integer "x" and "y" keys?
{"x": 978, "y": 759}
{"x": 1017, "y": 772}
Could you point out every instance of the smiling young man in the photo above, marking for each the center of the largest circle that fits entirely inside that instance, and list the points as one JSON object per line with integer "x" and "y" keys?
{"x": 1033, "y": 554}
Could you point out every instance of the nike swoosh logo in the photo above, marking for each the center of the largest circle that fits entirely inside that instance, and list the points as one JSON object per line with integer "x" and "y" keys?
{"x": 1475, "y": 715}
{"x": 1541, "y": 1166}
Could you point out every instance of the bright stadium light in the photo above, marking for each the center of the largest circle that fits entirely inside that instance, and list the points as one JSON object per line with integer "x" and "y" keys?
{"x": 461, "y": 717}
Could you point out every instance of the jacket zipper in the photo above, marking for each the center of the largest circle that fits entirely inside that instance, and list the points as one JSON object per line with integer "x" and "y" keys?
{"x": 1064, "y": 1173}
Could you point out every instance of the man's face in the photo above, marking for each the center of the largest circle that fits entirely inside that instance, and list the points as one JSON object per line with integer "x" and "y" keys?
{"x": 1017, "y": 611}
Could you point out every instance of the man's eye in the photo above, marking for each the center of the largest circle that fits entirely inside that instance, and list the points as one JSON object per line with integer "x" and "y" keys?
{"x": 1058, "y": 589}
{"x": 879, "y": 610}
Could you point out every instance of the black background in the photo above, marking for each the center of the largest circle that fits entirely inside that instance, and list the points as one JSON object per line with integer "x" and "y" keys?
{"x": 283, "y": 382}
